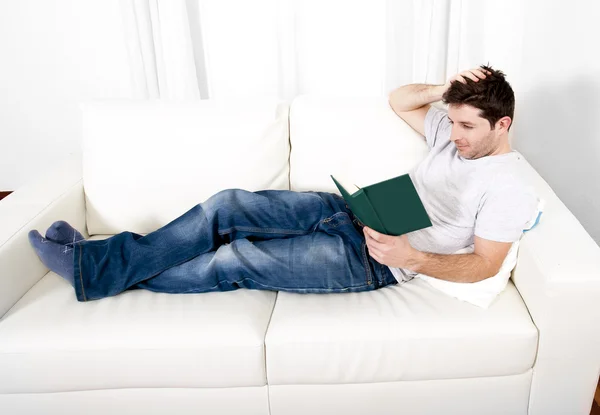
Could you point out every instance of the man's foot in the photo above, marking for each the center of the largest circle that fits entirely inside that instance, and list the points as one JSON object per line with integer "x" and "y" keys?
{"x": 59, "y": 258}
{"x": 63, "y": 233}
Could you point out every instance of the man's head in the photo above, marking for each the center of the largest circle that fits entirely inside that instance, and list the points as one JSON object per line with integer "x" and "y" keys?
{"x": 481, "y": 113}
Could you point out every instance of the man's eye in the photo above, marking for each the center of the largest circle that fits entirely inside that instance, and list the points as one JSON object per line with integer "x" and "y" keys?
{"x": 467, "y": 127}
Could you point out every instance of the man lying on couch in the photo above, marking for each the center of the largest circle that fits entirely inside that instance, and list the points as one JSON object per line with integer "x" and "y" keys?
{"x": 310, "y": 242}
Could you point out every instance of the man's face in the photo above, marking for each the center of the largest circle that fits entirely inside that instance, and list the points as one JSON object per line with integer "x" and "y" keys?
{"x": 471, "y": 133}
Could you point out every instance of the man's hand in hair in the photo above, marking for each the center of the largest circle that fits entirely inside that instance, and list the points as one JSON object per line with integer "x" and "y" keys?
{"x": 474, "y": 74}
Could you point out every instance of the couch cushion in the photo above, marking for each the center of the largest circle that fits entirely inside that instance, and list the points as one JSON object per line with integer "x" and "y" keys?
{"x": 399, "y": 332}
{"x": 138, "y": 339}
{"x": 147, "y": 162}
{"x": 358, "y": 138}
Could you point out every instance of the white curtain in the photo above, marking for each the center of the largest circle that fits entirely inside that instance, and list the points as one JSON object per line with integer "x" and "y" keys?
{"x": 159, "y": 47}
{"x": 284, "y": 48}
{"x": 341, "y": 47}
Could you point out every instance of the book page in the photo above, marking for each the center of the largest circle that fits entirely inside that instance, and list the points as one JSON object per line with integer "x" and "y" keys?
{"x": 347, "y": 184}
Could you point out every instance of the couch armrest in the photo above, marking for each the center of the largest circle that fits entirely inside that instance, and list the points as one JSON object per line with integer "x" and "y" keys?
{"x": 558, "y": 276}
{"x": 55, "y": 195}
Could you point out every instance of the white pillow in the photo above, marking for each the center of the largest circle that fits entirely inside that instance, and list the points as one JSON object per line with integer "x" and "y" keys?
{"x": 147, "y": 162}
{"x": 483, "y": 293}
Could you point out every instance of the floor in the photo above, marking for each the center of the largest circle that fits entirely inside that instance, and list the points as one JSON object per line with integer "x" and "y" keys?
{"x": 596, "y": 403}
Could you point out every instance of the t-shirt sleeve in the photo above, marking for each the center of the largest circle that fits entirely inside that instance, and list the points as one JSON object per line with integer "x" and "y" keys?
{"x": 438, "y": 127}
{"x": 504, "y": 213}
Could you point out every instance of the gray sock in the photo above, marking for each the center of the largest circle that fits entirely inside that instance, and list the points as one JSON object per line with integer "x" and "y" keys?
{"x": 59, "y": 258}
{"x": 63, "y": 233}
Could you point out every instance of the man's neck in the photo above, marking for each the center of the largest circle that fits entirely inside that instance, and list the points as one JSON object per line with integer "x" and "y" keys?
{"x": 502, "y": 149}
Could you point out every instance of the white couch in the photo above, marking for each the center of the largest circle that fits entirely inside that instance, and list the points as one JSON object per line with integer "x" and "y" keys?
{"x": 402, "y": 349}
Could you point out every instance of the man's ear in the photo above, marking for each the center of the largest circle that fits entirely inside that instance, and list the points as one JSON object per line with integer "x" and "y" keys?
{"x": 503, "y": 123}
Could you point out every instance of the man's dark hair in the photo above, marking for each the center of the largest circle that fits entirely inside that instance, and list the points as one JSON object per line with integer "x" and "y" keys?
{"x": 492, "y": 95}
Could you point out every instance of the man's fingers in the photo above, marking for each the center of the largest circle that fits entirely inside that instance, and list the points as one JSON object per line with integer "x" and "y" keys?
{"x": 375, "y": 245}
{"x": 474, "y": 74}
{"x": 479, "y": 73}
{"x": 470, "y": 75}
{"x": 373, "y": 242}
{"x": 374, "y": 252}
{"x": 374, "y": 235}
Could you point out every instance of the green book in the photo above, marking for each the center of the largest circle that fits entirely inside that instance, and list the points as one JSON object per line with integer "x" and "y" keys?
{"x": 392, "y": 207}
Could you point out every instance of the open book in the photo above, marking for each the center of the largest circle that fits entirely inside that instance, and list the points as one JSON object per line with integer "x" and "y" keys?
{"x": 392, "y": 207}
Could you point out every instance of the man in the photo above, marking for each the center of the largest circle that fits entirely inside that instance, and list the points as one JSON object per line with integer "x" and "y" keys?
{"x": 469, "y": 182}
{"x": 310, "y": 242}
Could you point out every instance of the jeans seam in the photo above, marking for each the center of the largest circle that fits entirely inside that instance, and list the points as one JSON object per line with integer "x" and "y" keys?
{"x": 338, "y": 224}
{"x": 367, "y": 264}
{"x": 81, "y": 276}
{"x": 287, "y": 289}
{"x": 381, "y": 271}
{"x": 342, "y": 222}
{"x": 263, "y": 230}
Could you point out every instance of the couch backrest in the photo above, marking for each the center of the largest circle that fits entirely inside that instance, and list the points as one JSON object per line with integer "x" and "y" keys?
{"x": 360, "y": 138}
{"x": 147, "y": 162}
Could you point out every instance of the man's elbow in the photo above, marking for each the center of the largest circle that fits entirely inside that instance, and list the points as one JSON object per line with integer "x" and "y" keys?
{"x": 391, "y": 101}
{"x": 394, "y": 102}
{"x": 488, "y": 269}
{"x": 392, "y": 96}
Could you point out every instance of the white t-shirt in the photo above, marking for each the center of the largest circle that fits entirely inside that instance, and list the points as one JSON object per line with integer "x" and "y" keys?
{"x": 484, "y": 197}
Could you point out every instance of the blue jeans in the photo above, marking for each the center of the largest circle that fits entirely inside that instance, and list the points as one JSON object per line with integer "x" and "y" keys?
{"x": 280, "y": 240}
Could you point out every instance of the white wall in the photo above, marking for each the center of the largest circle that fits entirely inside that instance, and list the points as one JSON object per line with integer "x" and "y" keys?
{"x": 53, "y": 53}
{"x": 558, "y": 103}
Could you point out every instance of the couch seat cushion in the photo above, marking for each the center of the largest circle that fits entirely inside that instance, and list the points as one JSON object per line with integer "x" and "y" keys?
{"x": 399, "y": 332}
{"x": 138, "y": 339}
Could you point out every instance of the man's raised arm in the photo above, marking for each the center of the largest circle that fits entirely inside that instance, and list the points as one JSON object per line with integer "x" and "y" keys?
{"x": 411, "y": 102}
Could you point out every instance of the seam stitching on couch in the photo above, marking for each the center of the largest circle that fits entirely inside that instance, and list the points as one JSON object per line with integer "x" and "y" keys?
{"x": 265, "y": 351}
